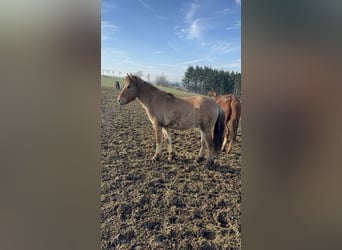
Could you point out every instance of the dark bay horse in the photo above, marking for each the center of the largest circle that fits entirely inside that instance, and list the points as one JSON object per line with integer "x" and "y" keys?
{"x": 167, "y": 111}
{"x": 232, "y": 109}
{"x": 117, "y": 85}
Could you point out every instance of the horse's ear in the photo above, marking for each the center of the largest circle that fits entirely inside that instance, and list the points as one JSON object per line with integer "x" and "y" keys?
{"x": 130, "y": 77}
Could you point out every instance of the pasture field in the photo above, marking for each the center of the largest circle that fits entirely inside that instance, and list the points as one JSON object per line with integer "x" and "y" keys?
{"x": 175, "y": 204}
{"x": 109, "y": 82}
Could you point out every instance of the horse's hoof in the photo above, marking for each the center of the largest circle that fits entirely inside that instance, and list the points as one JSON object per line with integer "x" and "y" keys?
{"x": 199, "y": 159}
{"x": 155, "y": 158}
{"x": 171, "y": 156}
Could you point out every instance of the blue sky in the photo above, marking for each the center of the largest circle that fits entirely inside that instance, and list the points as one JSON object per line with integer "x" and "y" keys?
{"x": 159, "y": 36}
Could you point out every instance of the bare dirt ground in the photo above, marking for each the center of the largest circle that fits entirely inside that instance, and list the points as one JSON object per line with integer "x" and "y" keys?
{"x": 175, "y": 204}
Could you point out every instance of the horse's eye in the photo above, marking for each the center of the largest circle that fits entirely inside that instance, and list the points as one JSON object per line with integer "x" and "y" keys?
{"x": 129, "y": 86}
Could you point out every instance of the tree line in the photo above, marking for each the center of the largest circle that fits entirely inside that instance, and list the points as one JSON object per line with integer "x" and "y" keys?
{"x": 203, "y": 79}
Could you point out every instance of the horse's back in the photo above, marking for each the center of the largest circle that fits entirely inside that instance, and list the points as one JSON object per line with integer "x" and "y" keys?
{"x": 236, "y": 106}
{"x": 224, "y": 102}
{"x": 202, "y": 103}
{"x": 205, "y": 107}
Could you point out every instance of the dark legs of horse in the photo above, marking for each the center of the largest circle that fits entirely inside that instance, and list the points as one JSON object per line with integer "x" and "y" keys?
{"x": 225, "y": 138}
{"x": 232, "y": 130}
{"x": 169, "y": 142}
{"x": 210, "y": 145}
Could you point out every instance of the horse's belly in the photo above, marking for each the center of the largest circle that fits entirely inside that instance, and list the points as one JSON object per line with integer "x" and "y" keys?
{"x": 181, "y": 127}
{"x": 182, "y": 124}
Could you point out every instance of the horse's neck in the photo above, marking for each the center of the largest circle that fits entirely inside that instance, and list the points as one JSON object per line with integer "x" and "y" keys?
{"x": 146, "y": 92}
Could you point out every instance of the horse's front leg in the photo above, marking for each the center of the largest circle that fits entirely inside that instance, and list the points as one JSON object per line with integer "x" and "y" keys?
{"x": 169, "y": 141}
{"x": 159, "y": 140}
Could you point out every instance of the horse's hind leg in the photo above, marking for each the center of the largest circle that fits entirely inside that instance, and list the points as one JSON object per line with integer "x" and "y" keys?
{"x": 200, "y": 156}
{"x": 159, "y": 140}
{"x": 231, "y": 128}
{"x": 169, "y": 142}
{"x": 225, "y": 138}
{"x": 210, "y": 143}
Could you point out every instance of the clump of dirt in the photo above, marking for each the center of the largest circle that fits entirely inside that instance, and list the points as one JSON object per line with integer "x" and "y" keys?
{"x": 174, "y": 204}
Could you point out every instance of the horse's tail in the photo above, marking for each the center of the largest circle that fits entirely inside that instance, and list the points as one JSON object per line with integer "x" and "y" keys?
{"x": 219, "y": 131}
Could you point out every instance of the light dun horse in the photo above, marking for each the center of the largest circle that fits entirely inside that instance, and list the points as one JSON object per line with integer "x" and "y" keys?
{"x": 168, "y": 111}
{"x": 232, "y": 109}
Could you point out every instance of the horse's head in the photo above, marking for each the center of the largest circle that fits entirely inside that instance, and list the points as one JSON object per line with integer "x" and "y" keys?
{"x": 212, "y": 93}
{"x": 129, "y": 91}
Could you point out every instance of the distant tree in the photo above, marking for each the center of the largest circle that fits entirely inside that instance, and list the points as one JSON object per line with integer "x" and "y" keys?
{"x": 203, "y": 79}
{"x": 161, "y": 80}
{"x": 148, "y": 77}
{"x": 188, "y": 78}
{"x": 139, "y": 73}
{"x": 237, "y": 85}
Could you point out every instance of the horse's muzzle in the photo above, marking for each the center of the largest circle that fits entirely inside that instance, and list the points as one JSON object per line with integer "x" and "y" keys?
{"x": 120, "y": 101}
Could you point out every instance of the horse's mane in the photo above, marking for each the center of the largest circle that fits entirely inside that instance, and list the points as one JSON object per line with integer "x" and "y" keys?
{"x": 169, "y": 94}
{"x": 137, "y": 78}
{"x": 150, "y": 85}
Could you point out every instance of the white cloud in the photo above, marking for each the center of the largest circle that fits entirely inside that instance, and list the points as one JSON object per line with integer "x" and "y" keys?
{"x": 105, "y": 25}
{"x": 222, "y": 11}
{"x": 156, "y": 52}
{"x": 194, "y": 31}
{"x": 105, "y": 7}
{"x": 223, "y": 47}
{"x": 192, "y": 61}
{"x": 113, "y": 51}
{"x": 238, "y": 1}
{"x": 146, "y": 5}
{"x": 107, "y": 29}
{"x": 191, "y": 12}
{"x": 194, "y": 25}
